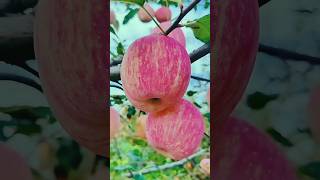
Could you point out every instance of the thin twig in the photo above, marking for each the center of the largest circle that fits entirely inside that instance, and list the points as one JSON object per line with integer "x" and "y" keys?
{"x": 167, "y": 166}
{"x": 153, "y": 19}
{"x": 200, "y": 78}
{"x": 26, "y": 67}
{"x": 20, "y": 79}
{"x": 288, "y": 55}
{"x": 181, "y": 16}
{"x": 263, "y": 2}
{"x": 115, "y": 86}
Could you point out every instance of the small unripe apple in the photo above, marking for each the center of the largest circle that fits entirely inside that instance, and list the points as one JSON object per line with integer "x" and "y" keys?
{"x": 12, "y": 165}
{"x": 244, "y": 152}
{"x": 70, "y": 43}
{"x": 235, "y": 41}
{"x": 141, "y": 127}
{"x": 313, "y": 110}
{"x": 205, "y": 166}
{"x": 115, "y": 123}
{"x": 176, "y": 34}
{"x": 177, "y": 131}
{"x": 155, "y": 72}
{"x": 112, "y": 17}
{"x": 163, "y": 14}
{"x": 143, "y": 15}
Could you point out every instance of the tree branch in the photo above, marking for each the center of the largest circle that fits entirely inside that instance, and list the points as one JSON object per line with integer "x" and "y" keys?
{"x": 181, "y": 16}
{"x": 200, "y": 78}
{"x": 166, "y": 166}
{"x": 20, "y": 79}
{"x": 288, "y": 55}
{"x": 263, "y": 2}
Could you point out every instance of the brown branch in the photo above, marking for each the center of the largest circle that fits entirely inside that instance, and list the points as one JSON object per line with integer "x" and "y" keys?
{"x": 20, "y": 79}
{"x": 288, "y": 55}
{"x": 166, "y": 166}
{"x": 263, "y": 2}
{"x": 181, "y": 16}
{"x": 200, "y": 78}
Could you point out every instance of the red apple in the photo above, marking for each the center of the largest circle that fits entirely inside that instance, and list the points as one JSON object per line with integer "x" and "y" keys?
{"x": 115, "y": 123}
{"x": 12, "y": 165}
{"x": 163, "y": 14}
{"x": 112, "y": 17}
{"x": 205, "y": 166}
{"x": 177, "y": 131}
{"x": 235, "y": 45}
{"x": 176, "y": 34}
{"x": 143, "y": 15}
{"x": 313, "y": 110}
{"x": 141, "y": 127}
{"x": 70, "y": 46}
{"x": 155, "y": 72}
{"x": 243, "y": 152}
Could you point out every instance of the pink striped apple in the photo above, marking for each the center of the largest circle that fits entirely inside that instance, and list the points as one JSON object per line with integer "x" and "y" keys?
{"x": 163, "y": 14}
{"x": 235, "y": 41}
{"x": 155, "y": 72}
{"x": 12, "y": 165}
{"x": 143, "y": 15}
{"x": 243, "y": 152}
{"x": 70, "y": 46}
{"x": 176, "y": 34}
{"x": 177, "y": 131}
{"x": 115, "y": 123}
{"x": 205, "y": 166}
{"x": 313, "y": 110}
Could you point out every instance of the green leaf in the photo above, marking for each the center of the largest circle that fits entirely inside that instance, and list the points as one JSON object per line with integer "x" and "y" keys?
{"x": 131, "y": 111}
{"x": 113, "y": 31}
{"x": 191, "y": 93}
{"x": 258, "y": 100}
{"x": 28, "y": 129}
{"x": 130, "y": 15}
{"x": 201, "y": 28}
{"x": 279, "y": 138}
{"x": 311, "y": 169}
{"x": 138, "y": 177}
{"x": 120, "y": 49}
{"x": 138, "y": 2}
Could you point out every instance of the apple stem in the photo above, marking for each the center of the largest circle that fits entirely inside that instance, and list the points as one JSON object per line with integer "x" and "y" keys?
{"x": 153, "y": 19}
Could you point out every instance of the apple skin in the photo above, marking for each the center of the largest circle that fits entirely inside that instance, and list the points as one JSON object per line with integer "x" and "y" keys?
{"x": 177, "y": 131}
{"x": 12, "y": 165}
{"x": 243, "y": 152}
{"x": 141, "y": 127}
{"x": 176, "y": 34}
{"x": 163, "y": 14}
{"x": 155, "y": 72}
{"x": 115, "y": 123}
{"x": 143, "y": 16}
{"x": 313, "y": 110}
{"x": 112, "y": 17}
{"x": 235, "y": 45}
{"x": 70, "y": 46}
{"x": 205, "y": 166}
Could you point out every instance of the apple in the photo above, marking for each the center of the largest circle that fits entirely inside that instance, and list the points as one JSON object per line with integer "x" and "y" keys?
{"x": 141, "y": 127}
{"x": 205, "y": 166}
{"x": 313, "y": 109}
{"x": 115, "y": 123}
{"x": 143, "y": 15}
{"x": 12, "y": 165}
{"x": 177, "y": 131}
{"x": 70, "y": 42}
{"x": 176, "y": 34}
{"x": 112, "y": 17}
{"x": 243, "y": 152}
{"x": 155, "y": 72}
{"x": 235, "y": 45}
{"x": 163, "y": 14}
